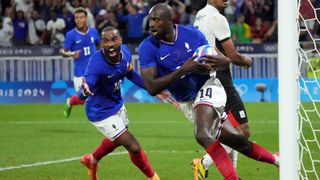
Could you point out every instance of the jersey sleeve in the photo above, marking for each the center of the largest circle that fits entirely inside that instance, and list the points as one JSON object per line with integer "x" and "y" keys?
{"x": 68, "y": 41}
{"x": 147, "y": 56}
{"x": 221, "y": 28}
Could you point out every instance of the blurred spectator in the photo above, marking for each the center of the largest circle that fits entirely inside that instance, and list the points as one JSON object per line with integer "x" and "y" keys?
{"x": 135, "y": 22}
{"x": 272, "y": 34}
{"x": 68, "y": 19}
{"x": 86, "y": 5}
{"x": 241, "y": 31}
{"x": 258, "y": 31}
{"x": 229, "y": 11}
{"x": 264, "y": 9}
{"x": 24, "y": 5}
{"x": 44, "y": 7}
{"x": 6, "y": 32}
{"x": 105, "y": 19}
{"x": 36, "y": 29}
{"x": 178, "y": 9}
{"x": 20, "y": 29}
{"x": 56, "y": 28}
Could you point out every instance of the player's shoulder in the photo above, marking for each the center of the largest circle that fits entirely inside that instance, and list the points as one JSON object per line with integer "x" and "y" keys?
{"x": 149, "y": 43}
{"x": 188, "y": 31}
{"x": 93, "y": 30}
{"x": 71, "y": 33}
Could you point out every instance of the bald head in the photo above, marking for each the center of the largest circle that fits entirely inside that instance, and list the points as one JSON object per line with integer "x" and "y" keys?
{"x": 110, "y": 28}
{"x": 163, "y": 10}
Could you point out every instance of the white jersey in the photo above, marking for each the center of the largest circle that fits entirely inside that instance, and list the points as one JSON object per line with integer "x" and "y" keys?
{"x": 212, "y": 24}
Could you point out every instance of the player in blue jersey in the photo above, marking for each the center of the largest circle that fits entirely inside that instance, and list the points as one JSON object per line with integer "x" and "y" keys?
{"x": 166, "y": 63}
{"x": 105, "y": 107}
{"x": 80, "y": 43}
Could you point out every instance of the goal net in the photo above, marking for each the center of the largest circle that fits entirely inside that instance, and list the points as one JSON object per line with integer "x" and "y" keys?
{"x": 309, "y": 87}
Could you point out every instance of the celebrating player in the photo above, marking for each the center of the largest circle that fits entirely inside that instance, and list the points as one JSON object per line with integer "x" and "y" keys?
{"x": 166, "y": 63}
{"x": 104, "y": 106}
{"x": 80, "y": 43}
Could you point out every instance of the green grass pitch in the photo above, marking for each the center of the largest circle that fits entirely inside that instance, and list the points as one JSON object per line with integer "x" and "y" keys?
{"x": 37, "y": 142}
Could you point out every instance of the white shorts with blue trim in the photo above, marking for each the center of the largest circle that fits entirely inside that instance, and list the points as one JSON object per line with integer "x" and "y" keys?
{"x": 113, "y": 126}
{"x": 212, "y": 94}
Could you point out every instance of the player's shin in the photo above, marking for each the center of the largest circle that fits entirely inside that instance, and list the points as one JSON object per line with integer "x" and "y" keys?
{"x": 261, "y": 154}
{"x": 103, "y": 149}
{"x": 141, "y": 161}
{"x": 222, "y": 161}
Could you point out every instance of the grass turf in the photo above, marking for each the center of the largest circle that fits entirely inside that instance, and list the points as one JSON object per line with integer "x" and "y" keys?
{"x": 39, "y": 133}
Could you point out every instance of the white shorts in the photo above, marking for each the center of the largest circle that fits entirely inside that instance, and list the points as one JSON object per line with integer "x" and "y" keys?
{"x": 212, "y": 94}
{"x": 113, "y": 126}
{"x": 77, "y": 81}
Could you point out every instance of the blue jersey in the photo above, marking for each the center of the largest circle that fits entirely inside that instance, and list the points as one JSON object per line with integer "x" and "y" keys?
{"x": 86, "y": 43}
{"x": 104, "y": 79}
{"x": 168, "y": 57}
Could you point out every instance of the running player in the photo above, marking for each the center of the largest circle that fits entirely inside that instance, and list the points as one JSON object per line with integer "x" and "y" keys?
{"x": 105, "y": 107}
{"x": 166, "y": 63}
{"x": 80, "y": 43}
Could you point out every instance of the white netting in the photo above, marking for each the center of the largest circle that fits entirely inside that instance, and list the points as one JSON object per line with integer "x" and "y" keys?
{"x": 309, "y": 80}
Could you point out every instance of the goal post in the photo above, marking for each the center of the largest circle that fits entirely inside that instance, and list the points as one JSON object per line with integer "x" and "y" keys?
{"x": 288, "y": 89}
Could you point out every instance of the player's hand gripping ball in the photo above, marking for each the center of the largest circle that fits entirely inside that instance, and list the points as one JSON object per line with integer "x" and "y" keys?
{"x": 204, "y": 50}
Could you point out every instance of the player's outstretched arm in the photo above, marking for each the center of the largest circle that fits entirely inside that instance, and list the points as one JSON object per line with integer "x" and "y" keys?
{"x": 166, "y": 97}
{"x": 235, "y": 57}
{"x": 85, "y": 88}
{"x": 65, "y": 53}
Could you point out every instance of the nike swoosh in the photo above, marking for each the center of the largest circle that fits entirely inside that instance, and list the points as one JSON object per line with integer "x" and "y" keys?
{"x": 77, "y": 42}
{"x": 110, "y": 76}
{"x": 162, "y": 58}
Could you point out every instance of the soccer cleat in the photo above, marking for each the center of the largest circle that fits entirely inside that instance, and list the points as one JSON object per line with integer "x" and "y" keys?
{"x": 154, "y": 177}
{"x": 91, "y": 166}
{"x": 200, "y": 173}
{"x": 67, "y": 108}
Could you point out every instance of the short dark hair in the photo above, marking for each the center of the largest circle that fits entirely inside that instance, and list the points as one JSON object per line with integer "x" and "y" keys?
{"x": 110, "y": 28}
{"x": 80, "y": 10}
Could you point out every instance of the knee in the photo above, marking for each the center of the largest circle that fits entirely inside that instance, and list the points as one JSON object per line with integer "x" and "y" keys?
{"x": 204, "y": 139}
{"x": 244, "y": 145}
{"x": 244, "y": 128}
{"x": 134, "y": 148}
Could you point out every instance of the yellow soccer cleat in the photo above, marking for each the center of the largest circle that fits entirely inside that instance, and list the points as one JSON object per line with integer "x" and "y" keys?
{"x": 154, "y": 177}
{"x": 91, "y": 166}
{"x": 200, "y": 173}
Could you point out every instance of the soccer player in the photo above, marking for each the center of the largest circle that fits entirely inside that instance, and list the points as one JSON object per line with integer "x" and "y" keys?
{"x": 80, "y": 43}
{"x": 216, "y": 29}
{"x": 104, "y": 106}
{"x": 166, "y": 63}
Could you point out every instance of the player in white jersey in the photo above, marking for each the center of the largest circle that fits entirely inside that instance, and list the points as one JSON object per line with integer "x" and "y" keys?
{"x": 216, "y": 29}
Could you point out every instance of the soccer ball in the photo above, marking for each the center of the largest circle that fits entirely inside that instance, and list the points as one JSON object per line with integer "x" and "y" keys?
{"x": 204, "y": 50}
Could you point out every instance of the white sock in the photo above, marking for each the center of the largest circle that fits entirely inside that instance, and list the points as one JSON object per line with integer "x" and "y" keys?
{"x": 234, "y": 158}
{"x": 207, "y": 161}
{"x": 277, "y": 160}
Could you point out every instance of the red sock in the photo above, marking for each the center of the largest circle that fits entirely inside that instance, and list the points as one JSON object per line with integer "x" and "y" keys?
{"x": 104, "y": 149}
{"x": 222, "y": 161}
{"x": 141, "y": 161}
{"x": 260, "y": 154}
{"x": 75, "y": 100}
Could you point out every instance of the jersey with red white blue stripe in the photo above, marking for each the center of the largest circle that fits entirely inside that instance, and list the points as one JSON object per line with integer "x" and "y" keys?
{"x": 104, "y": 80}
{"x": 168, "y": 57}
{"x": 86, "y": 43}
